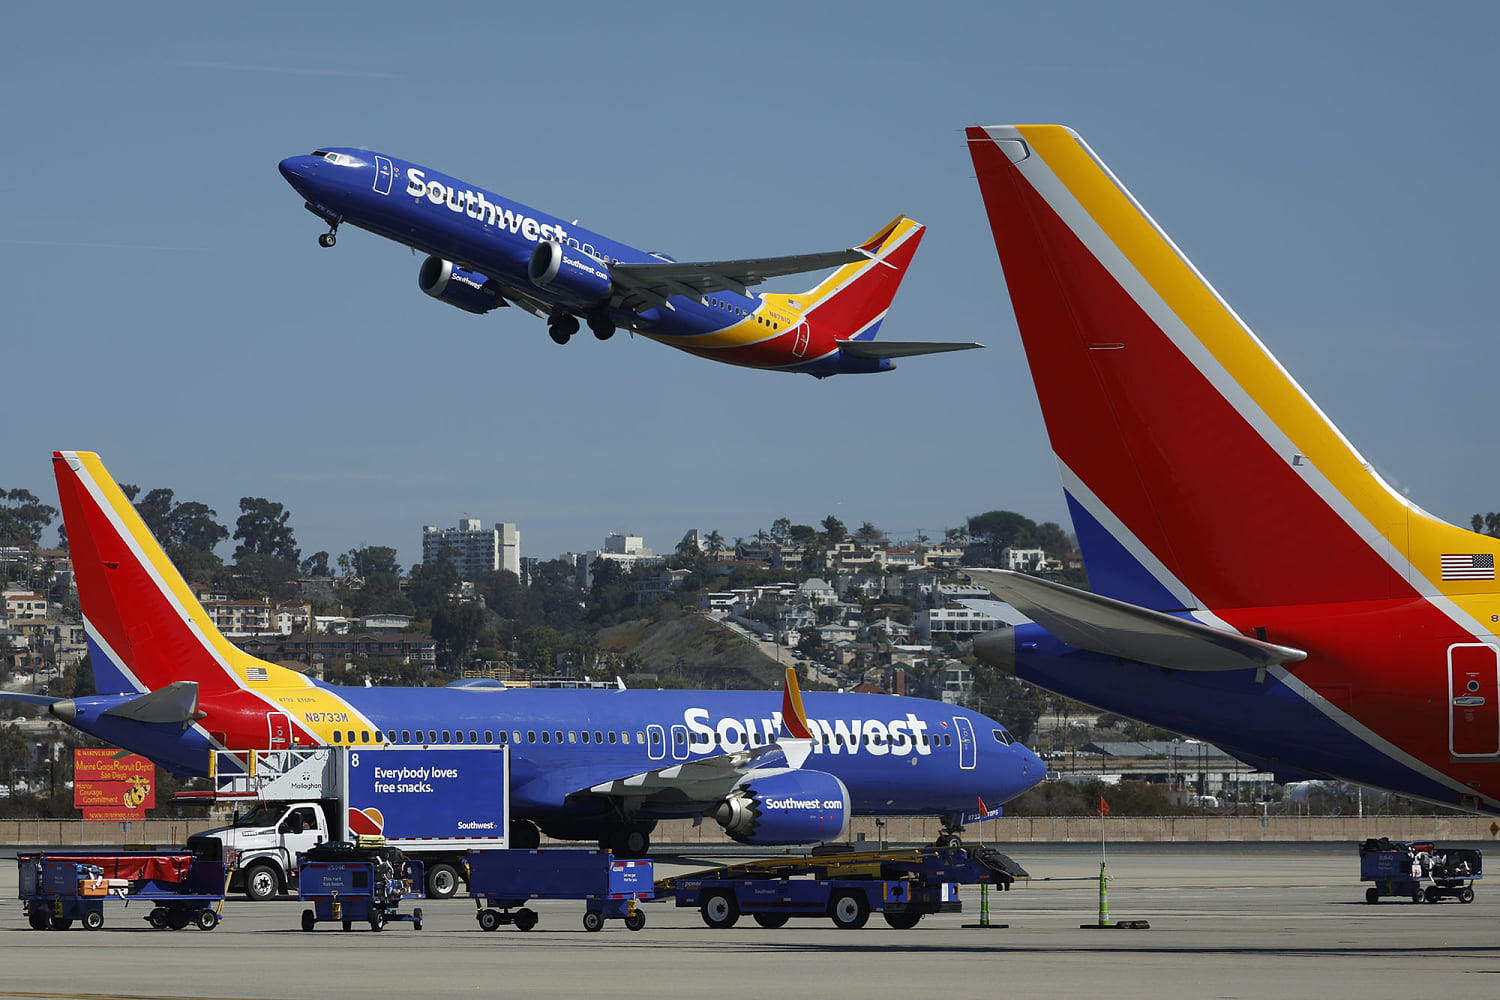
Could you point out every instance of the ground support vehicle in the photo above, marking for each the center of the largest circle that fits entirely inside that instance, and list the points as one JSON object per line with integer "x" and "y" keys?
{"x": 179, "y": 887}
{"x": 434, "y": 803}
{"x": 502, "y": 881}
{"x": 1419, "y": 870}
{"x": 903, "y": 886}
{"x": 357, "y": 882}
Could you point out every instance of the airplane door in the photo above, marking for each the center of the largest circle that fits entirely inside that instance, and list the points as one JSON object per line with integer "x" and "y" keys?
{"x": 656, "y": 742}
{"x": 1473, "y": 700}
{"x": 679, "y": 743}
{"x": 965, "y": 733}
{"x": 799, "y": 346}
{"x": 384, "y": 174}
{"x": 281, "y": 730}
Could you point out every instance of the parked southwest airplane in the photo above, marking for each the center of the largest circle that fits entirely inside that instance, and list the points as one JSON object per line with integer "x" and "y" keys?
{"x": 487, "y": 251}
{"x": 585, "y": 764}
{"x": 1255, "y": 583}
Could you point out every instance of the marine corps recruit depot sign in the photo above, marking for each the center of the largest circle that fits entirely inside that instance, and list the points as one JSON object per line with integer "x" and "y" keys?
{"x": 113, "y": 784}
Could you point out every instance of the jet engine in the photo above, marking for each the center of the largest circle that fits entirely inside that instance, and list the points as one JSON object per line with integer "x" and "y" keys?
{"x": 783, "y": 806}
{"x": 569, "y": 273}
{"x": 458, "y": 286}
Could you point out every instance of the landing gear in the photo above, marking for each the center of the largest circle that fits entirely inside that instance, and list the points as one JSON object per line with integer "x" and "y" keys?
{"x": 601, "y": 323}
{"x": 524, "y": 835}
{"x": 561, "y": 326}
{"x": 952, "y": 832}
{"x": 328, "y": 239}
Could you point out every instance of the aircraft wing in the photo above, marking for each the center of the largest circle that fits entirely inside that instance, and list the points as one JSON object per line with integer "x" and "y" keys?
{"x": 1103, "y": 625}
{"x": 706, "y": 780}
{"x": 643, "y": 285}
{"x": 899, "y": 348}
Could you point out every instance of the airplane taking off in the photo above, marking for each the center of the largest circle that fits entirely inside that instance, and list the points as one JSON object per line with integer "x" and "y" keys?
{"x": 1255, "y": 583}
{"x": 486, "y": 251}
{"x": 585, "y": 764}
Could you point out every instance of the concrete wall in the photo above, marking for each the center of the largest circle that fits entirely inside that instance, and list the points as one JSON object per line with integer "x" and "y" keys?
{"x": 899, "y": 829}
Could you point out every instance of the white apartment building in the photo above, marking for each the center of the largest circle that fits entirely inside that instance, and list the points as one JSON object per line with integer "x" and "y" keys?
{"x": 473, "y": 548}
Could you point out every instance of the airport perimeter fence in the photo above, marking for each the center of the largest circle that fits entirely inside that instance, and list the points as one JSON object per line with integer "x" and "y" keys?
{"x": 869, "y": 830}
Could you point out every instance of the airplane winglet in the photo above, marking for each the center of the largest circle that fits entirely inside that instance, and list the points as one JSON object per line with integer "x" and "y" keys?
{"x": 792, "y": 715}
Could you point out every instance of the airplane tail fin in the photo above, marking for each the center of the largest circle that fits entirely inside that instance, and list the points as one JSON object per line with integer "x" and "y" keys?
{"x": 1198, "y": 472}
{"x": 145, "y": 628}
{"x": 854, "y": 299}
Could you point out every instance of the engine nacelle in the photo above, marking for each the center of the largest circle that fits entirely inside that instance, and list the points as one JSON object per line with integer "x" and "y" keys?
{"x": 569, "y": 273}
{"x": 458, "y": 286}
{"x": 782, "y": 806}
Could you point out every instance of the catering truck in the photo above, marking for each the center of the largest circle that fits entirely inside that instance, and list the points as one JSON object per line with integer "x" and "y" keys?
{"x": 434, "y": 803}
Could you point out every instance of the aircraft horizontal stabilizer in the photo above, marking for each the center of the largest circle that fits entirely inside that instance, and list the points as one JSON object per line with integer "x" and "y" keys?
{"x": 899, "y": 348}
{"x": 1103, "y": 625}
{"x": 31, "y": 699}
{"x": 177, "y": 702}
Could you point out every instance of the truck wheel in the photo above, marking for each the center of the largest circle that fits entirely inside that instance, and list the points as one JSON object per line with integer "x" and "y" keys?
{"x": 902, "y": 921}
{"x": 206, "y": 920}
{"x": 489, "y": 920}
{"x": 261, "y": 882}
{"x": 849, "y": 911}
{"x": 92, "y": 920}
{"x": 309, "y": 920}
{"x": 719, "y": 910}
{"x": 593, "y": 921}
{"x": 525, "y": 919}
{"x": 771, "y": 921}
{"x": 442, "y": 881}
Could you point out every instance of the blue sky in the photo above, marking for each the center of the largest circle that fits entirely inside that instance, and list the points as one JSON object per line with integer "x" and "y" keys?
{"x": 1329, "y": 167}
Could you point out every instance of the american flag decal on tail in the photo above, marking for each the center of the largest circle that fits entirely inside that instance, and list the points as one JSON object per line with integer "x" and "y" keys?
{"x": 1469, "y": 566}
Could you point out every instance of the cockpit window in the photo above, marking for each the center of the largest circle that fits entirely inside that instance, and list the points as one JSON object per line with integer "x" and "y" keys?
{"x": 320, "y": 152}
{"x": 338, "y": 159}
{"x": 1001, "y": 736}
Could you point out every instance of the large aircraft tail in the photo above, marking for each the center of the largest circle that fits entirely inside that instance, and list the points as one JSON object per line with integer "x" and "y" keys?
{"x": 855, "y": 298}
{"x": 1198, "y": 472}
{"x": 145, "y": 628}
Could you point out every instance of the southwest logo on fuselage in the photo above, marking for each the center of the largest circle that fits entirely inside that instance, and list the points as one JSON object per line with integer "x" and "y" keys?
{"x": 565, "y": 274}
{"x": 897, "y": 737}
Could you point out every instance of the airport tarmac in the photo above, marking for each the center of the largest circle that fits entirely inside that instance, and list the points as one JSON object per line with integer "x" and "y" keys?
{"x": 1284, "y": 920}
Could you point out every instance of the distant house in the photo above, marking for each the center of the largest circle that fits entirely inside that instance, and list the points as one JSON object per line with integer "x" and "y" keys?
{"x": 817, "y": 592}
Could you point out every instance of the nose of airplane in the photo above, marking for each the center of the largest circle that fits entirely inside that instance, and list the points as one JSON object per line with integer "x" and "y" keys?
{"x": 998, "y": 649}
{"x": 297, "y": 170}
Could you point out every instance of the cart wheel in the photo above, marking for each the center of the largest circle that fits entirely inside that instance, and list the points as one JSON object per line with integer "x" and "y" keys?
{"x": 206, "y": 920}
{"x": 309, "y": 919}
{"x": 59, "y": 923}
{"x": 719, "y": 910}
{"x": 92, "y": 920}
{"x": 771, "y": 921}
{"x": 158, "y": 918}
{"x": 416, "y": 918}
{"x": 489, "y": 919}
{"x": 348, "y": 925}
{"x": 1433, "y": 894}
{"x": 1372, "y": 895}
{"x": 37, "y": 919}
{"x": 525, "y": 919}
{"x": 1416, "y": 895}
{"x": 902, "y": 921}
{"x": 593, "y": 921}
{"x": 377, "y": 922}
{"x": 635, "y": 920}
{"x": 1466, "y": 895}
{"x": 177, "y": 919}
{"x": 850, "y": 911}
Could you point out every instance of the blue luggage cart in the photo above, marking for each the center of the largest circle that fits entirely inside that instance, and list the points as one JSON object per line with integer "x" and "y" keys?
{"x": 348, "y": 883}
{"x": 181, "y": 887}
{"x": 1419, "y": 870}
{"x": 501, "y": 881}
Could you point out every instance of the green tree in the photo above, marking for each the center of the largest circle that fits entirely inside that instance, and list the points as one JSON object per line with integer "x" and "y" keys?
{"x": 373, "y": 559}
{"x": 1053, "y": 540}
{"x": 802, "y": 534}
{"x": 781, "y": 530}
{"x": 457, "y": 628}
{"x": 431, "y": 585}
{"x": 316, "y": 565}
{"x": 263, "y": 527}
{"x": 715, "y": 542}
{"x": 23, "y": 518}
{"x": 1003, "y": 529}
{"x": 833, "y": 529}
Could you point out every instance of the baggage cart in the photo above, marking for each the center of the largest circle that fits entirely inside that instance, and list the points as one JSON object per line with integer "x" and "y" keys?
{"x": 502, "y": 881}
{"x": 58, "y": 888}
{"x": 1419, "y": 870}
{"x": 357, "y": 882}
